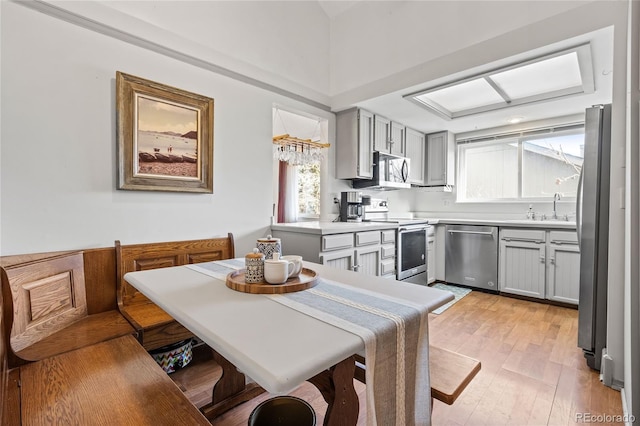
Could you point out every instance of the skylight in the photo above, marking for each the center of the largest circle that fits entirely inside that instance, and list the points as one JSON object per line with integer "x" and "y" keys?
{"x": 565, "y": 73}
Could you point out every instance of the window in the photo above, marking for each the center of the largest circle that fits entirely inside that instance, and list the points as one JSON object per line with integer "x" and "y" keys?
{"x": 564, "y": 73}
{"x": 309, "y": 189}
{"x": 298, "y": 144}
{"x": 520, "y": 167}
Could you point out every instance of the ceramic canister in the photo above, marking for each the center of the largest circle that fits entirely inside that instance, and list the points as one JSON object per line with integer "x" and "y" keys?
{"x": 254, "y": 267}
{"x": 268, "y": 246}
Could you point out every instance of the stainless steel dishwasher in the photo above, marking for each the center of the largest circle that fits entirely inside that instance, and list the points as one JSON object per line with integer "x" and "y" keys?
{"x": 471, "y": 256}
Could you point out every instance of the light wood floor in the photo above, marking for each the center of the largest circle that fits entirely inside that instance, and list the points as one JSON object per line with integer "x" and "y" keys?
{"x": 532, "y": 371}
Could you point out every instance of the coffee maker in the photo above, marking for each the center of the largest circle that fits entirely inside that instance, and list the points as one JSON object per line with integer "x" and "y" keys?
{"x": 351, "y": 206}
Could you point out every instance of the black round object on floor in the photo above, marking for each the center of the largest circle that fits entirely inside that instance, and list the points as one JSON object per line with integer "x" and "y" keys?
{"x": 283, "y": 411}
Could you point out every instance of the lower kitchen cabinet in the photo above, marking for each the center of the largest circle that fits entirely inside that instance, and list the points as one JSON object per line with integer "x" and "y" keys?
{"x": 341, "y": 259}
{"x": 563, "y": 267}
{"x": 368, "y": 252}
{"x": 540, "y": 264}
{"x": 522, "y": 262}
{"x": 431, "y": 255}
{"x": 368, "y": 260}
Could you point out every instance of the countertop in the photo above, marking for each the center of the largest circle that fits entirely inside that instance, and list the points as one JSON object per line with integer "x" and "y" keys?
{"x": 325, "y": 228}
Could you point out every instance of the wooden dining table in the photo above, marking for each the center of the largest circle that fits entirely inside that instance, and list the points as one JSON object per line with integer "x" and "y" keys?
{"x": 276, "y": 346}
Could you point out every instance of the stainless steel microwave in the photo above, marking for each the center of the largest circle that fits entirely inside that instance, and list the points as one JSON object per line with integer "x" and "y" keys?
{"x": 389, "y": 172}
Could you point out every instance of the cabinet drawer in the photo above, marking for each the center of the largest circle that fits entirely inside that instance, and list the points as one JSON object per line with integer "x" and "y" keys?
{"x": 366, "y": 238}
{"x": 337, "y": 241}
{"x": 563, "y": 237}
{"x": 389, "y": 236}
{"x": 522, "y": 235}
{"x": 387, "y": 266}
{"x": 388, "y": 252}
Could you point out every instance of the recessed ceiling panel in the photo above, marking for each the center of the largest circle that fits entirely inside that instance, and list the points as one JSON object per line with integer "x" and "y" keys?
{"x": 463, "y": 96}
{"x": 557, "y": 73}
{"x": 553, "y": 76}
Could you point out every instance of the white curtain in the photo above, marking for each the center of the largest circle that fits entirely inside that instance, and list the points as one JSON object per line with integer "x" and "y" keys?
{"x": 291, "y": 194}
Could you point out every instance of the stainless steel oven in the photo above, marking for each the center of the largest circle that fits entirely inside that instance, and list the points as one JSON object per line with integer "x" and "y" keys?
{"x": 411, "y": 256}
{"x": 411, "y": 241}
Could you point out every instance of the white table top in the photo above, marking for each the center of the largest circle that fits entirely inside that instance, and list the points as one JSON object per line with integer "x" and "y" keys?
{"x": 276, "y": 346}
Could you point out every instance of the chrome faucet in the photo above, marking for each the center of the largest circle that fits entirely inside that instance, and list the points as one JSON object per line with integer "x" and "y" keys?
{"x": 556, "y": 197}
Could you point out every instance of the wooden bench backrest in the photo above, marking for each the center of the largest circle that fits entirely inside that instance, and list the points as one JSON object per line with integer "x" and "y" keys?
{"x": 140, "y": 257}
{"x": 46, "y": 294}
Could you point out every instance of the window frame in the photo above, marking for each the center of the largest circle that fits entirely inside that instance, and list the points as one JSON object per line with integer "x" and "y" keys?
{"x": 520, "y": 138}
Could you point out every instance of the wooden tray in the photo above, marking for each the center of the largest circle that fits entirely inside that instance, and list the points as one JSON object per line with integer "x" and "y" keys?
{"x": 307, "y": 279}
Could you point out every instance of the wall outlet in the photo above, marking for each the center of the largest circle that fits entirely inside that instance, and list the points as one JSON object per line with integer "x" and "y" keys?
{"x": 446, "y": 202}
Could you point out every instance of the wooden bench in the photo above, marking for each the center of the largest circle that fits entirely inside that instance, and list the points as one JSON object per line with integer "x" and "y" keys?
{"x": 112, "y": 382}
{"x": 449, "y": 373}
{"x": 47, "y": 306}
{"x": 155, "y": 327}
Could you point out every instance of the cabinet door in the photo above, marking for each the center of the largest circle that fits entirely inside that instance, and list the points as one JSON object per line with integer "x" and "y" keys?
{"x": 365, "y": 144}
{"x": 397, "y": 139}
{"x": 368, "y": 260}
{"x": 440, "y": 159}
{"x": 415, "y": 148}
{"x": 381, "y": 135}
{"x": 341, "y": 259}
{"x": 522, "y": 268}
{"x": 431, "y": 260}
{"x": 563, "y": 273}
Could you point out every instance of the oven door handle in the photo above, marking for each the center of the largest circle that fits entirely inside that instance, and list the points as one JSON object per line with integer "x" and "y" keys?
{"x": 412, "y": 229}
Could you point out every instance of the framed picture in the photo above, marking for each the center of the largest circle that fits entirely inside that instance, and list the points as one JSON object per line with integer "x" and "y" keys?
{"x": 165, "y": 137}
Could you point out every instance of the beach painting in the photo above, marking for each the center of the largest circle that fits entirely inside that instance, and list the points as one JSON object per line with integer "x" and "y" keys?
{"x": 165, "y": 137}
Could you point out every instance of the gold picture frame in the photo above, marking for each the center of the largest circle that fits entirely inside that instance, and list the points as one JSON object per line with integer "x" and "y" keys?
{"x": 165, "y": 137}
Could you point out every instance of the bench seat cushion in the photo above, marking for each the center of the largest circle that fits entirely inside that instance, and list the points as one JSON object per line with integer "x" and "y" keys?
{"x": 113, "y": 382}
{"x": 84, "y": 332}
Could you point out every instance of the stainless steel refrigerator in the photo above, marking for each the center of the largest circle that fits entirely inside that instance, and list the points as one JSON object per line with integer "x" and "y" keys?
{"x": 592, "y": 217}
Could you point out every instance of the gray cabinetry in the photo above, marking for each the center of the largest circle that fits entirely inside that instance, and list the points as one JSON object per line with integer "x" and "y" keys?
{"x": 563, "y": 267}
{"x": 540, "y": 263}
{"x": 388, "y": 136}
{"x": 431, "y": 255}
{"x": 354, "y": 144}
{"x": 388, "y": 253}
{"x": 415, "y": 150}
{"x": 522, "y": 262}
{"x": 440, "y": 159}
{"x": 369, "y": 252}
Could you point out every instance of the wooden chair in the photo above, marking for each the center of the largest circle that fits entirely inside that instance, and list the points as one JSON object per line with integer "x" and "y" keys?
{"x": 155, "y": 327}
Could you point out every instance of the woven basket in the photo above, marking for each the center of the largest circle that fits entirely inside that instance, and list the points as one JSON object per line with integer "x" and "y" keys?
{"x": 174, "y": 356}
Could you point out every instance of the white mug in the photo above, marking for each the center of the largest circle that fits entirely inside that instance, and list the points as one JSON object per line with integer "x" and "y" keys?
{"x": 297, "y": 261}
{"x": 276, "y": 271}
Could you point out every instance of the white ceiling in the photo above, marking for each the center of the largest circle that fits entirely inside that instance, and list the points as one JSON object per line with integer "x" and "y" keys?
{"x": 395, "y": 107}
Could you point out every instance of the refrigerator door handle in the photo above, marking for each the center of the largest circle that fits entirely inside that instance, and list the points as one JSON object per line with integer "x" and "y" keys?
{"x": 579, "y": 206}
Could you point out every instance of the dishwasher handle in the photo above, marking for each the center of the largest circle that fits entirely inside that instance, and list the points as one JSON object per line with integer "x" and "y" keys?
{"x": 455, "y": 231}
{"x": 523, "y": 240}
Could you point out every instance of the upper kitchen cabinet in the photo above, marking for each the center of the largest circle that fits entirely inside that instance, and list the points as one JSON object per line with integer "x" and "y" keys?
{"x": 415, "y": 151}
{"x": 440, "y": 159}
{"x": 388, "y": 136}
{"x": 354, "y": 150}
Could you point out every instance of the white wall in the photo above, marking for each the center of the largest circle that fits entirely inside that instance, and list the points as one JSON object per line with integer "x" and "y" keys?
{"x": 274, "y": 41}
{"x": 58, "y": 170}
